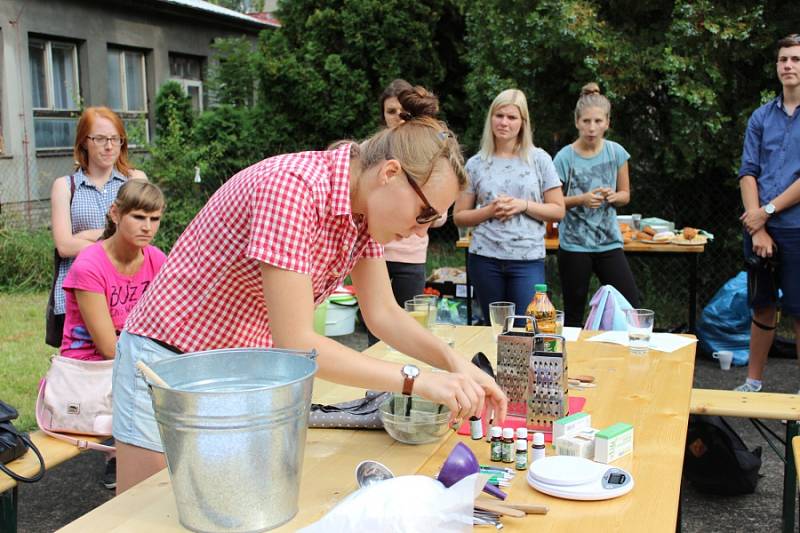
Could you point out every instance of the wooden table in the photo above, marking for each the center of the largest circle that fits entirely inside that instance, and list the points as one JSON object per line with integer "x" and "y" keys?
{"x": 689, "y": 252}
{"x": 650, "y": 392}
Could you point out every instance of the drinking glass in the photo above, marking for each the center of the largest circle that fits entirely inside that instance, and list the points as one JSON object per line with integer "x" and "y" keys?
{"x": 419, "y": 310}
{"x": 559, "y": 322}
{"x": 498, "y": 311}
{"x": 446, "y": 332}
{"x": 433, "y": 301}
{"x": 640, "y": 327}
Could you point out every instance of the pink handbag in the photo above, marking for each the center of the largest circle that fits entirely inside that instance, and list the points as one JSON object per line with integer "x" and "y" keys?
{"x": 75, "y": 397}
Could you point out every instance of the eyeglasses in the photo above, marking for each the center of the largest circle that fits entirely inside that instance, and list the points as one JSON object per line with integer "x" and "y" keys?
{"x": 428, "y": 213}
{"x": 101, "y": 140}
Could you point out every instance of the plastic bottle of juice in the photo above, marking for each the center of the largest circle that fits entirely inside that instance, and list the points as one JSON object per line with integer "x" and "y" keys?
{"x": 542, "y": 310}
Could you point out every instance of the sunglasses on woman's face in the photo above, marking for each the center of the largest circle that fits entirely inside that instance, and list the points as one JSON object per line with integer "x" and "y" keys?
{"x": 428, "y": 213}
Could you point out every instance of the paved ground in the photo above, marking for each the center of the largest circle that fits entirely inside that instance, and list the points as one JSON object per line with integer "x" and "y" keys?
{"x": 74, "y": 488}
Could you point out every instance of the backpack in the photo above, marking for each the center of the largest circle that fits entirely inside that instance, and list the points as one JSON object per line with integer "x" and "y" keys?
{"x": 716, "y": 459}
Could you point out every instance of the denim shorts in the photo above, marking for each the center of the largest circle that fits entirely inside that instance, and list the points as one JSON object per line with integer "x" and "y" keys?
{"x": 788, "y": 255}
{"x": 134, "y": 420}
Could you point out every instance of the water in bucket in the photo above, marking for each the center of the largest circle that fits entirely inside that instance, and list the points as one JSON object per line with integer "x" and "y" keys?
{"x": 233, "y": 426}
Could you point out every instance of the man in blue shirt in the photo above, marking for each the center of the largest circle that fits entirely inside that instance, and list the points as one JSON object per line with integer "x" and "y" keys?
{"x": 769, "y": 179}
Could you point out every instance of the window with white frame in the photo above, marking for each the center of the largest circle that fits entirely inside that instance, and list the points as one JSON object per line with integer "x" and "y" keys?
{"x": 55, "y": 92}
{"x": 127, "y": 91}
{"x": 188, "y": 72}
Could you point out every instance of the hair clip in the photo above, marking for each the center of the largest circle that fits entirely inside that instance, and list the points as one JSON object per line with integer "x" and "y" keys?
{"x": 405, "y": 115}
{"x": 444, "y": 135}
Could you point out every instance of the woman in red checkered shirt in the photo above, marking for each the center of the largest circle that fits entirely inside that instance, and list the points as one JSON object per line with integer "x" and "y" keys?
{"x": 277, "y": 239}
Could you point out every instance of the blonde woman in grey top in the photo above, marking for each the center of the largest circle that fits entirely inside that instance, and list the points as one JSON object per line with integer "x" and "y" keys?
{"x": 513, "y": 190}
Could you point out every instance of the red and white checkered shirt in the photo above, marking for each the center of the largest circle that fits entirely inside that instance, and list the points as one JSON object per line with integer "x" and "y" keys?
{"x": 291, "y": 211}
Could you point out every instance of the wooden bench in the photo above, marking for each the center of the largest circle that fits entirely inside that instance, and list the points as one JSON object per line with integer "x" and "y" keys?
{"x": 54, "y": 452}
{"x": 766, "y": 405}
{"x": 796, "y": 446}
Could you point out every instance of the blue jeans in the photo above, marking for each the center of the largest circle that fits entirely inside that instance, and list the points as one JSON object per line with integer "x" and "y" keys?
{"x": 504, "y": 280}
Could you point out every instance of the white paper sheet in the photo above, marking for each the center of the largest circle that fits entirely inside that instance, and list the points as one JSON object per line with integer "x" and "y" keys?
{"x": 571, "y": 334}
{"x": 663, "y": 342}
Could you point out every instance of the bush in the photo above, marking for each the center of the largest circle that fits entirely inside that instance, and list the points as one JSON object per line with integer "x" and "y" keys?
{"x": 26, "y": 259}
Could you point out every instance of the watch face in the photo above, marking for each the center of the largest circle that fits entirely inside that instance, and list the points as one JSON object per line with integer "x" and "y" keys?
{"x": 769, "y": 208}
{"x": 410, "y": 371}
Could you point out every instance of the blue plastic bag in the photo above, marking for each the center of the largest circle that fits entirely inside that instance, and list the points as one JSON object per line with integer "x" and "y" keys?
{"x": 724, "y": 323}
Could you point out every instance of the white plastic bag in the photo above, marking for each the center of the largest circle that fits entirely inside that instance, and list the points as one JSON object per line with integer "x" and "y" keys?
{"x": 405, "y": 504}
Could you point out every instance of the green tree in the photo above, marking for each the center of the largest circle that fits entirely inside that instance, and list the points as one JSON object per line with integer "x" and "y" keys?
{"x": 325, "y": 67}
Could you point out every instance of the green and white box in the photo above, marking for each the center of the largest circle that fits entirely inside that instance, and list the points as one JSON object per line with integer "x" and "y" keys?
{"x": 613, "y": 442}
{"x": 569, "y": 425}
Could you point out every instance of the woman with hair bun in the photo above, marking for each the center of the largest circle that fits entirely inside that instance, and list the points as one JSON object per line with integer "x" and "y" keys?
{"x": 594, "y": 171}
{"x": 405, "y": 258}
{"x": 275, "y": 240}
{"x": 79, "y": 202}
{"x": 513, "y": 191}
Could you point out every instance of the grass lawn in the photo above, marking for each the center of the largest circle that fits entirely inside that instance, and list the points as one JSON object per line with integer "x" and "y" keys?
{"x": 24, "y": 357}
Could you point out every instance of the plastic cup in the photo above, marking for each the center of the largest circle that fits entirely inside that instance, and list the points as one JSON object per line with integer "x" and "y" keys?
{"x": 640, "y": 327}
{"x": 636, "y": 221}
{"x": 559, "y": 322}
{"x": 725, "y": 358}
{"x": 498, "y": 311}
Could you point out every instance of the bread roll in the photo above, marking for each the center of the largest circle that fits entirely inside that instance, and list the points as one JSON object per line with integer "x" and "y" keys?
{"x": 664, "y": 236}
{"x": 650, "y": 231}
{"x": 624, "y": 228}
{"x": 642, "y": 236}
{"x": 689, "y": 233}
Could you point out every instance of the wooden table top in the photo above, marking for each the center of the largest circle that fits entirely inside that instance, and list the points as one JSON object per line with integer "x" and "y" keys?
{"x": 632, "y": 246}
{"x": 650, "y": 392}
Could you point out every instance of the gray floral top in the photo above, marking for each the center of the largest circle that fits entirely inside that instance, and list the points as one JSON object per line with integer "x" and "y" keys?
{"x": 521, "y": 237}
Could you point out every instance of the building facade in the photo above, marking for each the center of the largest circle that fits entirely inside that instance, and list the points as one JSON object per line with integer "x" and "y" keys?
{"x": 57, "y": 57}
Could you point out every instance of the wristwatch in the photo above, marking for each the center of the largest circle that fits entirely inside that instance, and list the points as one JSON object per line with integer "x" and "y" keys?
{"x": 410, "y": 373}
{"x": 769, "y": 209}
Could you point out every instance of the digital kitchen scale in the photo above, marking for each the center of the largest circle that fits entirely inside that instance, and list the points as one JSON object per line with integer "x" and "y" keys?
{"x": 576, "y": 478}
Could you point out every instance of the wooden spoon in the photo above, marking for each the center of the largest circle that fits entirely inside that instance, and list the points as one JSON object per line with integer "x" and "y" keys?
{"x": 152, "y": 376}
{"x": 499, "y": 508}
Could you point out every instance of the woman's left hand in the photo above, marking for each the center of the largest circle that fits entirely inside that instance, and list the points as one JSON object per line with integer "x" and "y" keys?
{"x": 496, "y": 401}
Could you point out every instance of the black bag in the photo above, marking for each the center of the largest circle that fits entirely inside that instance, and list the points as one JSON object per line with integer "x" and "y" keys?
{"x": 53, "y": 323}
{"x": 14, "y": 444}
{"x": 716, "y": 460}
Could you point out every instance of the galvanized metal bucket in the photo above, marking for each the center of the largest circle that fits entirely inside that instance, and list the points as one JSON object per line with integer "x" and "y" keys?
{"x": 233, "y": 425}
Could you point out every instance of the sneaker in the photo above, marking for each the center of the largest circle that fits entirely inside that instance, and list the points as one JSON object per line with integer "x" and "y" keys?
{"x": 747, "y": 387}
{"x": 110, "y": 475}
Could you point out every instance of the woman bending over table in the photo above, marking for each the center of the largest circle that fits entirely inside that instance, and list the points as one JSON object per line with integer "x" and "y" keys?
{"x": 272, "y": 243}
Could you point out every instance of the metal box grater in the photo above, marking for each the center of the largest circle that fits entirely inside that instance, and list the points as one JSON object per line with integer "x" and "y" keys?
{"x": 514, "y": 350}
{"x": 547, "y": 385}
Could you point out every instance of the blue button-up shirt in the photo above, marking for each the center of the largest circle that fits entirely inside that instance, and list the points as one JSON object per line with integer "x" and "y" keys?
{"x": 771, "y": 154}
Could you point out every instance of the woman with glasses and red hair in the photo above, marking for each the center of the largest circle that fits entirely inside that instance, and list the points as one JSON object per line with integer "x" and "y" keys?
{"x": 513, "y": 191}
{"x": 80, "y": 201}
{"x": 274, "y": 241}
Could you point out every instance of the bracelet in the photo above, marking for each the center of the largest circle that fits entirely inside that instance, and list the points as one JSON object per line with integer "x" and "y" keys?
{"x": 526, "y": 206}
